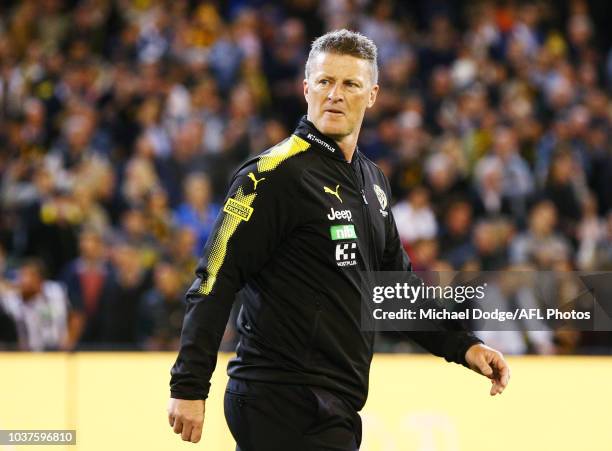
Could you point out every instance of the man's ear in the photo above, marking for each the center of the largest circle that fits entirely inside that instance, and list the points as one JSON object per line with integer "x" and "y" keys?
{"x": 373, "y": 94}
{"x": 305, "y": 84}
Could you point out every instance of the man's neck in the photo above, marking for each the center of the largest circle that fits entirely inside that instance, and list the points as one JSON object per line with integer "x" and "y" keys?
{"x": 29, "y": 296}
{"x": 347, "y": 145}
{"x": 91, "y": 262}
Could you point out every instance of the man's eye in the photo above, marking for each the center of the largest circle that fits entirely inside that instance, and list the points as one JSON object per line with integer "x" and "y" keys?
{"x": 323, "y": 82}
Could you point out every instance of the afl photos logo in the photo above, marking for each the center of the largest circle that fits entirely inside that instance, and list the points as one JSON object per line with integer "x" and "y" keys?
{"x": 382, "y": 199}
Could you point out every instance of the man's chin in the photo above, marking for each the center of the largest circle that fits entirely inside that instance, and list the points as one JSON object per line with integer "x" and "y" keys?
{"x": 334, "y": 131}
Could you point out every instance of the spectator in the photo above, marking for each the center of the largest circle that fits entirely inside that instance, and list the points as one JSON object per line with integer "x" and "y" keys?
{"x": 590, "y": 232}
{"x": 53, "y": 230}
{"x": 491, "y": 200}
{"x": 455, "y": 236}
{"x": 517, "y": 181}
{"x": 511, "y": 290}
{"x": 8, "y": 328}
{"x": 182, "y": 254}
{"x": 561, "y": 191}
{"x": 540, "y": 244}
{"x": 91, "y": 285}
{"x": 39, "y": 309}
{"x": 601, "y": 158}
{"x": 444, "y": 182}
{"x": 424, "y": 255}
{"x": 149, "y": 119}
{"x": 197, "y": 213}
{"x": 414, "y": 217}
{"x": 161, "y": 310}
{"x": 140, "y": 179}
{"x": 158, "y": 215}
{"x": 489, "y": 241}
{"x": 187, "y": 156}
{"x": 603, "y": 253}
{"x": 94, "y": 216}
{"x": 135, "y": 233}
{"x": 120, "y": 326}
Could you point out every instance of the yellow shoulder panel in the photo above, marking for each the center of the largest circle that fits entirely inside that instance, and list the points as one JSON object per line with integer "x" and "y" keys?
{"x": 219, "y": 246}
{"x": 232, "y": 218}
{"x": 287, "y": 149}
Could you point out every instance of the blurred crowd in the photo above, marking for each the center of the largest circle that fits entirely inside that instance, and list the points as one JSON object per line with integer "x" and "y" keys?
{"x": 121, "y": 122}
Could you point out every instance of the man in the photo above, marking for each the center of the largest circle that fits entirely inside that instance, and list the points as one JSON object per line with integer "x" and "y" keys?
{"x": 8, "y": 328}
{"x": 39, "y": 309}
{"x": 91, "y": 286}
{"x": 301, "y": 223}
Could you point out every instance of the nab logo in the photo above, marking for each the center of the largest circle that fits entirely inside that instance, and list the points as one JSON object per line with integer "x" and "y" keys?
{"x": 332, "y": 192}
{"x": 345, "y": 254}
{"x": 255, "y": 181}
{"x": 343, "y": 232}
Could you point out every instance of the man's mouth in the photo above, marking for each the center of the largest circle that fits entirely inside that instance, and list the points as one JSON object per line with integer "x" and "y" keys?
{"x": 334, "y": 111}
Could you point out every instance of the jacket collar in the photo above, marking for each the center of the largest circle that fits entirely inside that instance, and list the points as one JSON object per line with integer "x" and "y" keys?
{"x": 307, "y": 131}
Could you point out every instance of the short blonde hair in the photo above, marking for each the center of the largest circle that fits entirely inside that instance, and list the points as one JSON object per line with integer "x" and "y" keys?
{"x": 345, "y": 42}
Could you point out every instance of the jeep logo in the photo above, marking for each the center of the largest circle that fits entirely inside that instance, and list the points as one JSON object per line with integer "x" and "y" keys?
{"x": 340, "y": 214}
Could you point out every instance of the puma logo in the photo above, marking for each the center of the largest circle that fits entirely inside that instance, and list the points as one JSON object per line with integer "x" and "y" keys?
{"x": 332, "y": 192}
{"x": 255, "y": 181}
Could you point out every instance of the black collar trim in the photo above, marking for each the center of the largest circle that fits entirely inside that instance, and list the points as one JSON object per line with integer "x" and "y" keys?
{"x": 309, "y": 132}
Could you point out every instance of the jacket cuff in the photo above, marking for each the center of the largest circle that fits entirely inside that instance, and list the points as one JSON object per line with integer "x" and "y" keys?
{"x": 187, "y": 395}
{"x": 468, "y": 341}
{"x": 457, "y": 344}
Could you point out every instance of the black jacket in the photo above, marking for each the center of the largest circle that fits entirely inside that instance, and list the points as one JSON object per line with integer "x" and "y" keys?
{"x": 299, "y": 226}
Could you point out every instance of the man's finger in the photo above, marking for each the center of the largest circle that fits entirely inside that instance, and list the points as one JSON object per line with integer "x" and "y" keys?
{"x": 196, "y": 433}
{"x": 178, "y": 426}
{"x": 500, "y": 388}
{"x": 186, "y": 433}
{"x": 495, "y": 389}
{"x": 171, "y": 419}
{"x": 505, "y": 376}
{"x": 502, "y": 370}
{"x": 484, "y": 368}
{"x": 505, "y": 373}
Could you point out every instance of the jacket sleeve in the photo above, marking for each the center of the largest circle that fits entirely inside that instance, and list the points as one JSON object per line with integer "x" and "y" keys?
{"x": 452, "y": 340}
{"x": 253, "y": 221}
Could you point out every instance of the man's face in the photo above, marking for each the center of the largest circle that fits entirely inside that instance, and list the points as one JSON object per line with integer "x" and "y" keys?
{"x": 338, "y": 90}
{"x": 90, "y": 245}
{"x": 30, "y": 281}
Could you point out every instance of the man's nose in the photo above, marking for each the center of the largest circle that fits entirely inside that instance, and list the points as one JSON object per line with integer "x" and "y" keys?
{"x": 335, "y": 93}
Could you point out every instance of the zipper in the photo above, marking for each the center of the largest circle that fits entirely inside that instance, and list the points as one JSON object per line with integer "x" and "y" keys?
{"x": 365, "y": 209}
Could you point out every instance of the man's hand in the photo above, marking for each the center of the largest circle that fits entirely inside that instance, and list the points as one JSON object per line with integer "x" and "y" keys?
{"x": 186, "y": 418}
{"x": 490, "y": 363}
